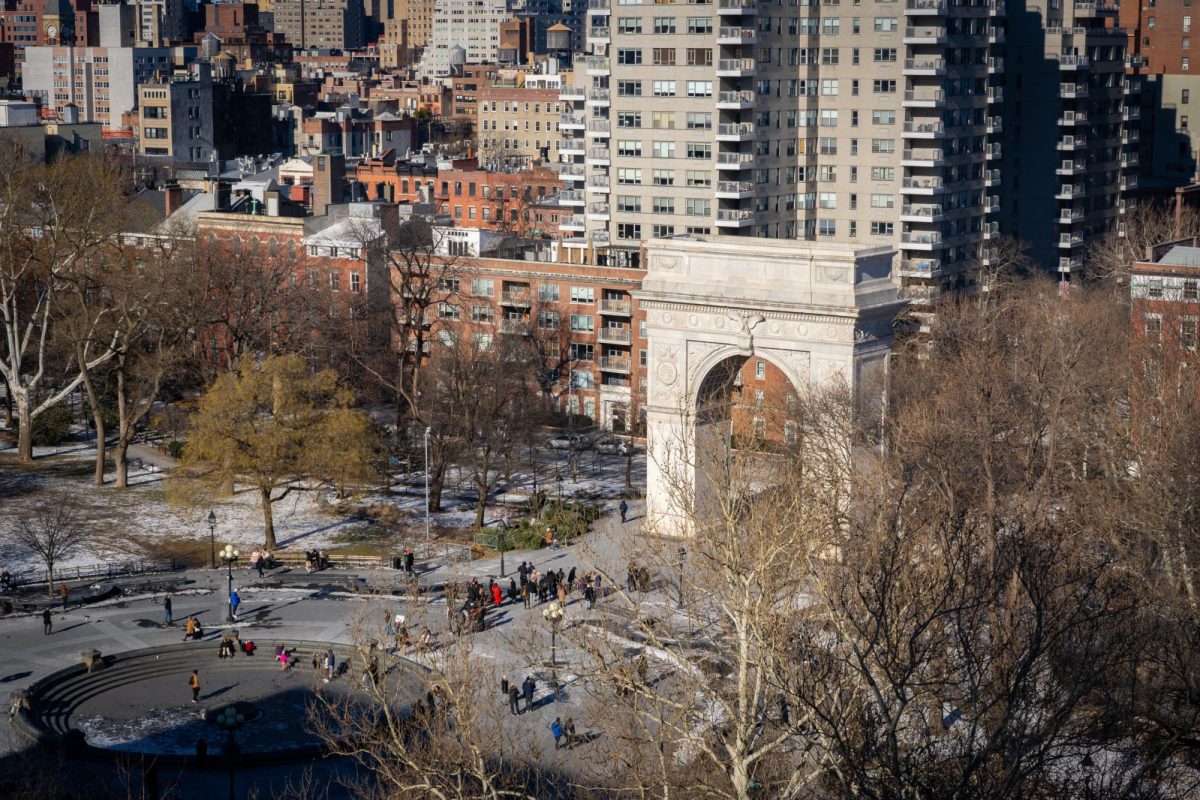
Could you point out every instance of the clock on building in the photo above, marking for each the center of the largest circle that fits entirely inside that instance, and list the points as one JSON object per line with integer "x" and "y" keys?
{"x": 51, "y": 31}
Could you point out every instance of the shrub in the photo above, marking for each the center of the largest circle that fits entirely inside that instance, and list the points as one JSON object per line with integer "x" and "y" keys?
{"x": 175, "y": 448}
{"x": 52, "y": 426}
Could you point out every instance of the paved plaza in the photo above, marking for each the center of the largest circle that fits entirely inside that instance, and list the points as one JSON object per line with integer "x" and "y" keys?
{"x": 345, "y": 607}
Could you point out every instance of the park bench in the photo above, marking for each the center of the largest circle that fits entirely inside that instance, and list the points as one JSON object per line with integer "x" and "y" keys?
{"x": 298, "y": 559}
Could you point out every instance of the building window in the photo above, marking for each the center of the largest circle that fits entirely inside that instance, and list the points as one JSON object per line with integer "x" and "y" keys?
{"x": 629, "y": 230}
{"x": 1153, "y": 326}
{"x": 1154, "y": 288}
{"x": 482, "y": 287}
{"x": 583, "y": 323}
{"x": 760, "y": 370}
{"x": 548, "y": 320}
{"x": 1185, "y": 96}
{"x": 447, "y": 311}
{"x": 1187, "y": 332}
{"x": 1191, "y": 290}
{"x": 664, "y": 56}
{"x": 583, "y": 294}
{"x": 355, "y": 282}
{"x": 483, "y": 314}
{"x": 547, "y": 292}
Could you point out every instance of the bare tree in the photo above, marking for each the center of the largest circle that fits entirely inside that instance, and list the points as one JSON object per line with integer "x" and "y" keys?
{"x": 1148, "y": 224}
{"x": 53, "y": 530}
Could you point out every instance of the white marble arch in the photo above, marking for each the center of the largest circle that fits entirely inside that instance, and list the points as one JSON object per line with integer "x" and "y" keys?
{"x": 814, "y": 310}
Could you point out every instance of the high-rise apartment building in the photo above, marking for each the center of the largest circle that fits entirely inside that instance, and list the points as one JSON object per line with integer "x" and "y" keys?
{"x": 463, "y": 32}
{"x": 1160, "y": 63}
{"x": 876, "y": 123}
{"x": 418, "y": 17}
{"x": 322, "y": 24}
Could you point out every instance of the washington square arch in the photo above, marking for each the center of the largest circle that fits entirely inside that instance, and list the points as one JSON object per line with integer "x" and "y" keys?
{"x": 812, "y": 311}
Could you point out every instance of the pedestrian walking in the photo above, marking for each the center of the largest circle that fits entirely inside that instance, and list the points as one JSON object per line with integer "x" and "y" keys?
{"x": 195, "y": 684}
{"x": 408, "y": 562}
{"x": 527, "y": 688}
{"x": 64, "y": 592}
{"x": 624, "y": 509}
{"x": 167, "y": 613}
{"x": 330, "y": 663}
{"x": 47, "y": 622}
{"x": 569, "y": 733}
{"x": 497, "y": 596}
{"x": 570, "y": 579}
{"x": 514, "y": 699}
{"x": 189, "y": 629}
{"x": 504, "y": 685}
{"x": 261, "y": 564}
{"x": 525, "y": 593}
{"x": 556, "y": 728}
{"x": 512, "y": 591}
{"x": 235, "y": 600}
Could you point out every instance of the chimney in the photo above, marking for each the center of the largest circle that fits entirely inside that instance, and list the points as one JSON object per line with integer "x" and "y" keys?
{"x": 329, "y": 182}
{"x": 174, "y": 198}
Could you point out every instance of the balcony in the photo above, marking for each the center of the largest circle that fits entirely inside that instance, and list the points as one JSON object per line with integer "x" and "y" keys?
{"x": 1129, "y": 183}
{"x": 616, "y": 307}
{"x": 598, "y": 97}
{"x": 1069, "y": 216}
{"x": 995, "y": 65}
{"x": 598, "y": 128}
{"x": 514, "y": 326}
{"x": 596, "y": 5}
{"x": 1086, "y": 8}
{"x": 570, "y": 172}
{"x": 992, "y": 151}
{"x": 1132, "y": 86}
{"x": 572, "y": 121}
{"x": 615, "y": 336}
{"x": 571, "y": 197}
{"x": 735, "y": 132}
{"x": 1072, "y": 143}
{"x": 1133, "y": 62}
{"x": 735, "y": 217}
{"x": 926, "y": 34}
{"x": 1066, "y": 61}
{"x": 597, "y": 65}
{"x": 994, "y": 125}
{"x": 613, "y": 364}
{"x": 598, "y": 156}
{"x": 991, "y": 177}
{"x": 574, "y": 222}
{"x": 735, "y": 100}
{"x": 735, "y": 35}
{"x": 1129, "y": 159}
{"x": 1069, "y": 191}
{"x": 599, "y": 33}
{"x": 924, "y": 66}
{"x": 928, "y": 98}
{"x": 1071, "y": 168}
{"x": 599, "y": 237}
{"x": 995, "y": 94}
{"x": 735, "y": 161}
{"x": 735, "y": 190}
{"x": 924, "y": 130}
{"x": 1131, "y": 113}
{"x": 598, "y": 212}
{"x": 598, "y": 184}
{"x": 1070, "y": 264}
{"x": 922, "y": 186}
{"x": 736, "y": 67}
{"x": 919, "y": 8}
{"x": 929, "y": 157}
{"x": 1073, "y": 90}
{"x": 517, "y": 298}
{"x": 570, "y": 147}
{"x": 1073, "y": 118}
{"x": 728, "y": 7}
{"x": 991, "y": 205}
{"x": 996, "y": 36}
{"x": 571, "y": 94}
{"x": 1070, "y": 240}
{"x": 996, "y": 7}
{"x": 990, "y": 230}
{"x": 922, "y": 213}
{"x": 1129, "y": 137}
{"x": 920, "y": 267}
{"x": 920, "y": 240}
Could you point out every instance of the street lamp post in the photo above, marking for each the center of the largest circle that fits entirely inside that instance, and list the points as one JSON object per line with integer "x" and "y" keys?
{"x": 503, "y": 543}
{"x": 230, "y": 720}
{"x": 228, "y": 556}
{"x": 682, "y": 556}
{"x": 428, "y": 536}
{"x": 554, "y": 614}
{"x": 212, "y": 540}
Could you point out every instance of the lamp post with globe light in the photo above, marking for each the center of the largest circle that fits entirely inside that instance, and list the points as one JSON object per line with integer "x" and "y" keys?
{"x": 554, "y": 614}
{"x": 229, "y": 555}
{"x": 230, "y": 719}
{"x": 212, "y": 538}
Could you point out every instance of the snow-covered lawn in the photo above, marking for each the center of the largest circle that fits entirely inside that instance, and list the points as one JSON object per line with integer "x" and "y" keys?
{"x": 125, "y": 521}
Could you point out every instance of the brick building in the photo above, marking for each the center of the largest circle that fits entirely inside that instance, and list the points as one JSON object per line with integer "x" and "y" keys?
{"x": 516, "y": 125}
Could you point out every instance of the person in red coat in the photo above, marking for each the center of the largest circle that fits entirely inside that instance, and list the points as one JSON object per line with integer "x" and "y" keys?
{"x": 497, "y": 595}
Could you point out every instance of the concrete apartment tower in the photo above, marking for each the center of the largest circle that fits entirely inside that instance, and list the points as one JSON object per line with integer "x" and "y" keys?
{"x": 907, "y": 124}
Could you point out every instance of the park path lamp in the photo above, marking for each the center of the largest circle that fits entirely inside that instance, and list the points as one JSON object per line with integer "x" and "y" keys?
{"x": 229, "y": 720}
{"x": 228, "y": 556}
{"x": 212, "y": 540}
{"x": 502, "y": 543}
{"x": 682, "y": 561}
{"x": 554, "y": 614}
{"x": 428, "y": 537}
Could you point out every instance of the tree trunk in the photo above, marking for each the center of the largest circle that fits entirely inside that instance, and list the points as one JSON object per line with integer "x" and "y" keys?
{"x": 8, "y": 403}
{"x": 97, "y": 418}
{"x": 268, "y": 520}
{"x": 121, "y": 462}
{"x": 435, "y": 492}
{"x": 629, "y": 464}
{"x": 50, "y": 578}
{"x": 481, "y": 507}
{"x": 25, "y": 433}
